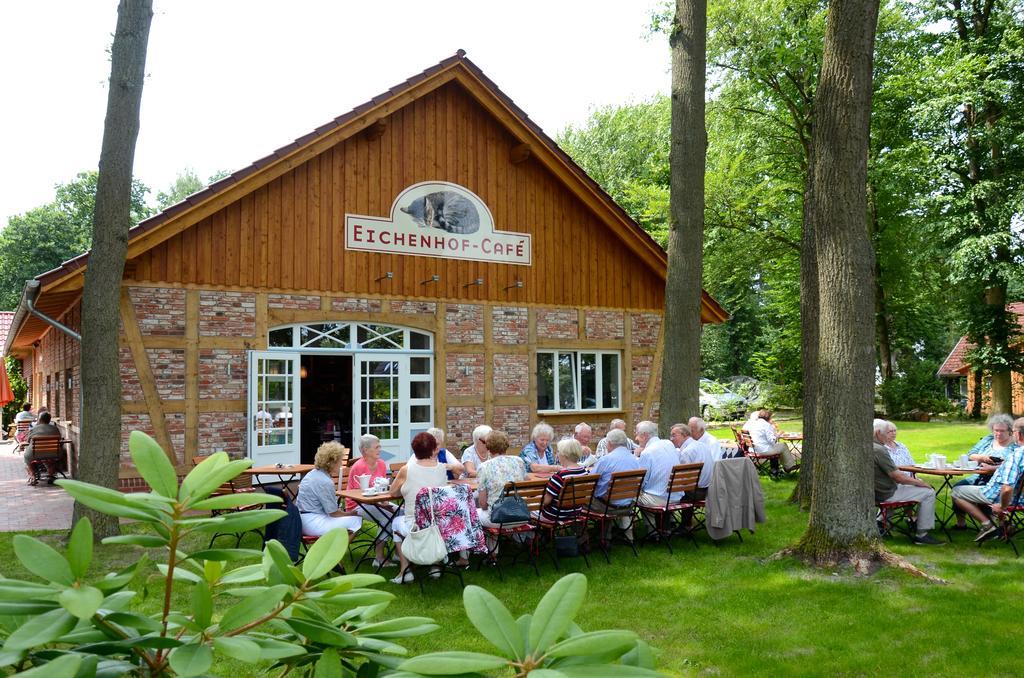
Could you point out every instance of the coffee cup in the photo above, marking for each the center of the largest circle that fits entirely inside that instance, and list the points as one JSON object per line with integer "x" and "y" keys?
{"x": 940, "y": 461}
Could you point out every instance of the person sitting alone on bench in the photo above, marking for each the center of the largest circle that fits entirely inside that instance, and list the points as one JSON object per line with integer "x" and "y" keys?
{"x": 43, "y": 427}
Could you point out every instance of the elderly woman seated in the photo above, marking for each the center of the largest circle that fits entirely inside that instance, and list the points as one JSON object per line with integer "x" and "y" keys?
{"x": 537, "y": 453}
{"x": 317, "y": 500}
{"x": 495, "y": 473}
{"x": 569, "y": 452}
{"x": 989, "y": 452}
{"x": 885, "y": 431}
{"x": 422, "y": 470}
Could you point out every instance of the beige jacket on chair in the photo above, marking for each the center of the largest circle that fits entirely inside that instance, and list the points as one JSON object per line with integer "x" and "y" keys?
{"x": 735, "y": 500}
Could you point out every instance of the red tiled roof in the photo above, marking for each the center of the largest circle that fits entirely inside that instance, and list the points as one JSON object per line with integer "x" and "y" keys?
{"x": 5, "y": 324}
{"x": 955, "y": 365}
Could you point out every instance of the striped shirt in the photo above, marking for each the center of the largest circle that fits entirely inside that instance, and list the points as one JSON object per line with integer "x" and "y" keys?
{"x": 1008, "y": 473}
{"x": 552, "y": 511}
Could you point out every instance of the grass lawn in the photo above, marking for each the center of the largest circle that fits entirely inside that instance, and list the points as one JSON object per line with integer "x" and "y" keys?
{"x": 726, "y": 610}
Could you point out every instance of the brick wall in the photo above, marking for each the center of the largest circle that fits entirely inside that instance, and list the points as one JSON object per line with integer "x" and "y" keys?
{"x": 227, "y": 314}
{"x": 461, "y": 422}
{"x": 464, "y": 324}
{"x": 168, "y": 366}
{"x": 511, "y": 374}
{"x": 223, "y": 374}
{"x": 605, "y": 324}
{"x": 514, "y": 420}
{"x": 646, "y": 327}
{"x": 159, "y": 311}
{"x": 356, "y": 305}
{"x": 142, "y": 422}
{"x": 510, "y": 325}
{"x": 464, "y": 374}
{"x": 641, "y": 373}
{"x": 294, "y": 301}
{"x": 414, "y": 307}
{"x": 222, "y": 431}
{"x": 558, "y": 323}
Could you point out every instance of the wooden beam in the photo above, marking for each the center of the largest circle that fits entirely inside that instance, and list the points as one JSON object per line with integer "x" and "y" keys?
{"x": 145, "y": 373}
{"x": 520, "y": 154}
{"x": 655, "y": 372}
{"x": 626, "y": 376}
{"x": 440, "y": 368}
{"x": 488, "y": 364}
{"x": 191, "y": 375}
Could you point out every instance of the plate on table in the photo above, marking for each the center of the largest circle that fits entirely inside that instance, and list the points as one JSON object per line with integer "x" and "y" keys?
{"x": 927, "y": 464}
{"x": 370, "y": 493}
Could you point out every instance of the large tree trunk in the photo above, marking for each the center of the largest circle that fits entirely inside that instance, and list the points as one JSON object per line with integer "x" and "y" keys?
{"x": 687, "y": 158}
{"x": 1002, "y": 391}
{"x": 885, "y": 364}
{"x": 808, "y": 341}
{"x": 841, "y": 528}
{"x": 101, "y": 383}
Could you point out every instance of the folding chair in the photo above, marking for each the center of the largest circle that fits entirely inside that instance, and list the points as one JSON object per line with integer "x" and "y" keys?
{"x": 241, "y": 484}
{"x": 897, "y": 516}
{"x": 619, "y": 503}
{"x": 669, "y": 517}
{"x": 519, "y": 534}
{"x": 1013, "y": 517}
{"x": 47, "y": 455}
{"x": 762, "y": 462}
{"x": 575, "y": 497}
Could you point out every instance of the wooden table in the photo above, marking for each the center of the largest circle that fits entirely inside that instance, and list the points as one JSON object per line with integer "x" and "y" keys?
{"x": 285, "y": 474}
{"x": 384, "y": 526}
{"x": 945, "y": 489}
{"x": 794, "y": 441}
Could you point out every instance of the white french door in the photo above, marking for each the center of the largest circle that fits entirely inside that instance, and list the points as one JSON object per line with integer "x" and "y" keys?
{"x": 391, "y": 399}
{"x": 274, "y": 398}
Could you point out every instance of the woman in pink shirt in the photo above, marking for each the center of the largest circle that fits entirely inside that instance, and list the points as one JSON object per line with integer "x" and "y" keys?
{"x": 370, "y": 463}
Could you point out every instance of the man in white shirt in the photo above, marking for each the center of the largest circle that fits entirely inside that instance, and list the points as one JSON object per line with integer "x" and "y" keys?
{"x": 681, "y": 438}
{"x": 658, "y": 458}
{"x": 766, "y": 441}
{"x": 693, "y": 451}
{"x": 699, "y": 432}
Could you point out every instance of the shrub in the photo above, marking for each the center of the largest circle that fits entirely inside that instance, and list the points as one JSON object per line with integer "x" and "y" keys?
{"x": 916, "y": 388}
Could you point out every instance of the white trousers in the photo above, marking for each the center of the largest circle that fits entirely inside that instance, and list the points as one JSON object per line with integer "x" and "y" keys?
{"x": 319, "y": 524}
{"x": 926, "y": 508}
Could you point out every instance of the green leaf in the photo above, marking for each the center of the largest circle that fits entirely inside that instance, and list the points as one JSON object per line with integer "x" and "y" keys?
{"x": 42, "y": 560}
{"x": 226, "y": 501}
{"x": 153, "y": 464}
{"x": 200, "y": 483}
{"x": 596, "y": 642}
{"x": 202, "y": 604}
{"x": 40, "y": 630}
{"x": 179, "y": 573}
{"x": 447, "y": 663}
{"x": 81, "y": 602}
{"x": 237, "y": 647}
{"x": 493, "y": 621}
{"x": 545, "y": 673}
{"x": 61, "y": 667}
{"x": 19, "y": 608}
{"x": 250, "y": 609}
{"x": 155, "y": 642}
{"x": 399, "y": 625}
{"x": 191, "y": 660}
{"x": 641, "y": 655}
{"x": 243, "y": 521}
{"x": 356, "y": 580}
{"x": 319, "y": 632}
{"x": 225, "y": 554}
{"x": 277, "y": 649}
{"x": 556, "y": 610}
{"x": 242, "y": 575}
{"x": 14, "y": 589}
{"x": 325, "y": 553}
{"x": 108, "y": 501}
{"x": 606, "y": 671}
{"x": 134, "y": 621}
{"x": 329, "y": 665}
{"x": 149, "y": 541}
{"x": 275, "y": 557}
{"x": 80, "y": 548}
{"x": 202, "y": 470}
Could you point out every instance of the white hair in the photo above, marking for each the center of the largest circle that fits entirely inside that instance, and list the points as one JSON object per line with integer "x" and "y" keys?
{"x": 542, "y": 429}
{"x": 581, "y": 427}
{"x": 1005, "y": 419}
{"x": 647, "y": 428}
{"x": 438, "y": 435}
{"x": 366, "y": 441}
{"x": 684, "y": 428}
{"x": 616, "y": 438}
{"x": 697, "y": 422}
{"x": 881, "y": 426}
{"x": 617, "y": 423}
{"x": 481, "y": 432}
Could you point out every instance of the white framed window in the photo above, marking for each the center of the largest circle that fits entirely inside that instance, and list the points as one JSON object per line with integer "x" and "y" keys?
{"x": 569, "y": 381}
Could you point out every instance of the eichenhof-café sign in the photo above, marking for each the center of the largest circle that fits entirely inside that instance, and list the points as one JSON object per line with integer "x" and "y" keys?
{"x": 438, "y": 219}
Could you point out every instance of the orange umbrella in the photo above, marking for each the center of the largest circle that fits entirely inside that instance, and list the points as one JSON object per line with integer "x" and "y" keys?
{"x": 6, "y": 394}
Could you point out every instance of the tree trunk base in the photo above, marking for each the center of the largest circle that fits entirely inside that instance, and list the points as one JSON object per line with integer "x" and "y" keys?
{"x": 865, "y": 557}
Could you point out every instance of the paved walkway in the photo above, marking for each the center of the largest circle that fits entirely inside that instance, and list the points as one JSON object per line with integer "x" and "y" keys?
{"x": 25, "y": 507}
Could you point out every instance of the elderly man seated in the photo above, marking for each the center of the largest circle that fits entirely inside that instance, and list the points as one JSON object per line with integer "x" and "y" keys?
{"x": 997, "y": 493}
{"x": 619, "y": 458}
{"x": 42, "y": 428}
{"x": 602, "y": 445}
{"x": 892, "y": 485}
{"x": 693, "y": 451}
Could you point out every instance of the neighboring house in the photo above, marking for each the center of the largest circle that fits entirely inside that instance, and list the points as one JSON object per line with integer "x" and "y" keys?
{"x": 431, "y": 258}
{"x": 959, "y": 378}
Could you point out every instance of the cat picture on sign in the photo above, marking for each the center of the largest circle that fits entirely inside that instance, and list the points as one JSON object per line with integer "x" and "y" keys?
{"x": 445, "y": 210}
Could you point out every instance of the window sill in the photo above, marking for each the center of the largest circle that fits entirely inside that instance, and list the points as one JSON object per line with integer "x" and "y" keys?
{"x": 558, "y": 413}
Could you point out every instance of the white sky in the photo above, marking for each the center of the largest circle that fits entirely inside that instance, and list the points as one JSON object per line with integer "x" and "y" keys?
{"x": 230, "y": 81}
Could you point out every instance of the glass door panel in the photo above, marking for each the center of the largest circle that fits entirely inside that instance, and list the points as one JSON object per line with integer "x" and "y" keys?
{"x": 273, "y": 407}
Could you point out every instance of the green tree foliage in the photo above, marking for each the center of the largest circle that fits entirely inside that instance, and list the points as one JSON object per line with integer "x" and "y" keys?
{"x": 185, "y": 184}
{"x": 45, "y": 237}
{"x": 19, "y": 387}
